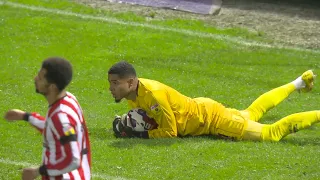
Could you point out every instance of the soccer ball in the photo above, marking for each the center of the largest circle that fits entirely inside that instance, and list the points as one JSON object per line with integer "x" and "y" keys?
{"x": 138, "y": 120}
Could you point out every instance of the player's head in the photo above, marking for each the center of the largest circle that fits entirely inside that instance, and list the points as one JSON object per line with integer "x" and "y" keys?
{"x": 122, "y": 79}
{"x": 54, "y": 76}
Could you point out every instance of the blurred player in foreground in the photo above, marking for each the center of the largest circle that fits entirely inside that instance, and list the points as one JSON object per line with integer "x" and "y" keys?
{"x": 178, "y": 115}
{"x": 66, "y": 148}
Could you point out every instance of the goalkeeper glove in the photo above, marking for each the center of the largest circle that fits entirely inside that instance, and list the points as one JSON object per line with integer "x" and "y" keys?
{"x": 122, "y": 129}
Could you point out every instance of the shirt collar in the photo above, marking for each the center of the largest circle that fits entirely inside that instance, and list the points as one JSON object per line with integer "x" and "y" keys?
{"x": 141, "y": 90}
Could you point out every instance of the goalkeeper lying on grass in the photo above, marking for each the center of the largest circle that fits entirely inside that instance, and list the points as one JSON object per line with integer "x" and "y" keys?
{"x": 178, "y": 115}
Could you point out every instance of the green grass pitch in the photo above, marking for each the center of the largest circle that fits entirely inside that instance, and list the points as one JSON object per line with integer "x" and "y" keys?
{"x": 205, "y": 61}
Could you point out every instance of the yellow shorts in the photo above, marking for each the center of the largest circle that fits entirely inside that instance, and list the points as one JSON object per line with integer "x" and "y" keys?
{"x": 235, "y": 125}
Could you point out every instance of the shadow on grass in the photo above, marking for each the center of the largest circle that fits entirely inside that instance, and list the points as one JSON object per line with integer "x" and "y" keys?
{"x": 131, "y": 142}
{"x": 303, "y": 141}
{"x": 305, "y": 137}
{"x": 104, "y": 134}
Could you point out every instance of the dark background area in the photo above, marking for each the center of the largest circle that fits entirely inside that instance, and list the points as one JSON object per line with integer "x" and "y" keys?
{"x": 302, "y": 8}
{"x": 297, "y": 3}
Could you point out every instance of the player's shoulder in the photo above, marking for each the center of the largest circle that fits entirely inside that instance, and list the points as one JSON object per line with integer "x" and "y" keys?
{"x": 148, "y": 88}
{"x": 70, "y": 95}
{"x": 151, "y": 90}
{"x": 68, "y": 105}
{"x": 151, "y": 85}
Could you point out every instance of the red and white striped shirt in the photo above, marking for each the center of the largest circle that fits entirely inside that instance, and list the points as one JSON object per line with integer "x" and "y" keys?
{"x": 66, "y": 153}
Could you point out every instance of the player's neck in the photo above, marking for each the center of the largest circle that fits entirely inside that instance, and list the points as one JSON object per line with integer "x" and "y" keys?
{"x": 132, "y": 96}
{"x": 55, "y": 96}
{"x": 134, "y": 93}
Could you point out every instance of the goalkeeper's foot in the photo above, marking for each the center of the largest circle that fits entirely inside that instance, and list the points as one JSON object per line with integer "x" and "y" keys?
{"x": 305, "y": 82}
{"x": 308, "y": 78}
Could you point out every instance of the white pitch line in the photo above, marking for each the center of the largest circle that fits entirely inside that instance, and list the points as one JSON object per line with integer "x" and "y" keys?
{"x": 156, "y": 27}
{"x": 26, "y": 164}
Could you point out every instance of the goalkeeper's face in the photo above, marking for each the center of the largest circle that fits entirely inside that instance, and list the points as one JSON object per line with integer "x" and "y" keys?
{"x": 119, "y": 87}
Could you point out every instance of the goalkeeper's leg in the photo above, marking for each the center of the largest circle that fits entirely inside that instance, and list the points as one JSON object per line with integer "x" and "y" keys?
{"x": 289, "y": 124}
{"x": 272, "y": 98}
{"x": 267, "y": 101}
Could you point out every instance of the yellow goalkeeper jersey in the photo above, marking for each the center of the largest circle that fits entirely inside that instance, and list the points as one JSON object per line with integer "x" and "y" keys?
{"x": 175, "y": 113}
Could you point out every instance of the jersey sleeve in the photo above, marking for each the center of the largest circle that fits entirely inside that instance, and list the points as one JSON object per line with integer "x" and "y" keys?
{"x": 37, "y": 121}
{"x": 63, "y": 128}
{"x": 160, "y": 110}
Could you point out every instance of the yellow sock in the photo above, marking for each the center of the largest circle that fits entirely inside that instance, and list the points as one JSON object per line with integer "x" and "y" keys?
{"x": 268, "y": 100}
{"x": 289, "y": 124}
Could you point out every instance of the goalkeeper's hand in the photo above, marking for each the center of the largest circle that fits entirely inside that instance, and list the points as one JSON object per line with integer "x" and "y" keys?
{"x": 121, "y": 130}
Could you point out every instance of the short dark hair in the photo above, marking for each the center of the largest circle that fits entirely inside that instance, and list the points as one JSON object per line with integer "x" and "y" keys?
{"x": 59, "y": 71}
{"x": 123, "y": 69}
